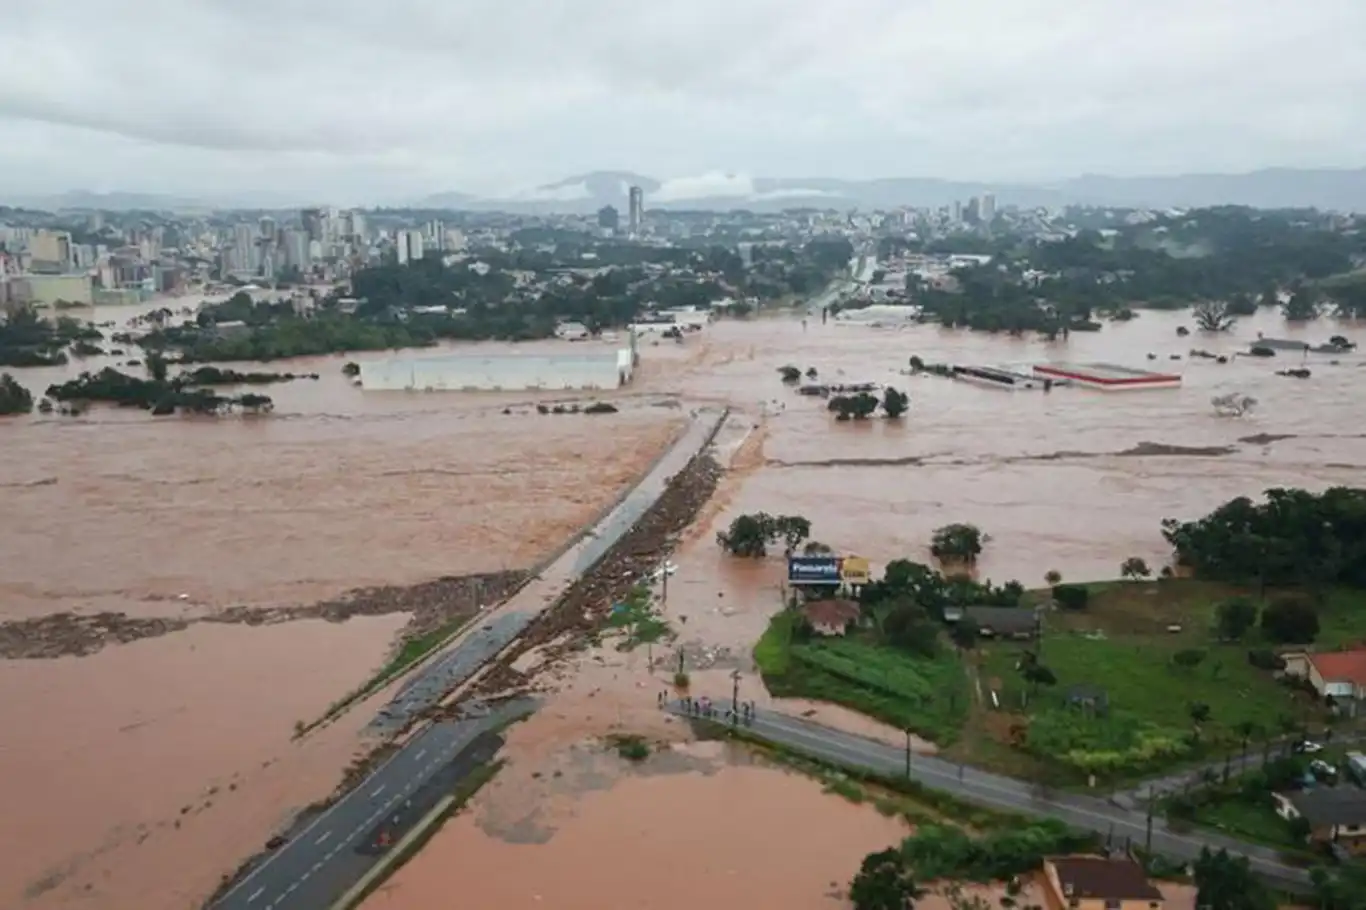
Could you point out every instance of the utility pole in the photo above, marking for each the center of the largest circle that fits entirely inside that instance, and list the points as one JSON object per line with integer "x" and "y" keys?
{"x": 735, "y": 696}
{"x": 1148, "y": 838}
{"x": 908, "y": 753}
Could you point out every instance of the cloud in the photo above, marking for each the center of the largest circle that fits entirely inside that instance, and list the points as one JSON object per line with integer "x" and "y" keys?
{"x": 349, "y": 99}
{"x": 705, "y": 186}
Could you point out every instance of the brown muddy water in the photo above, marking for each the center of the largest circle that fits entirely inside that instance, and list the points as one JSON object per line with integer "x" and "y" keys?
{"x": 137, "y": 775}
{"x": 603, "y": 835}
{"x": 117, "y": 511}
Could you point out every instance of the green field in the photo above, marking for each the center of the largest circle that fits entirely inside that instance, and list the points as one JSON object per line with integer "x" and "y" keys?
{"x": 928, "y": 696}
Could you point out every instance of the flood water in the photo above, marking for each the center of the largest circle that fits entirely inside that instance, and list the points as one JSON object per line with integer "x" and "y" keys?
{"x": 339, "y": 488}
{"x": 650, "y": 839}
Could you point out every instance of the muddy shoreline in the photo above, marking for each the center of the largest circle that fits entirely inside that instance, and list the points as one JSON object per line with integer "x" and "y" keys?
{"x": 432, "y": 604}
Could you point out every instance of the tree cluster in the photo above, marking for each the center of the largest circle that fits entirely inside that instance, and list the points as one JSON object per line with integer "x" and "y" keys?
{"x": 887, "y": 879}
{"x": 751, "y": 535}
{"x": 28, "y": 340}
{"x": 959, "y": 542}
{"x": 14, "y": 398}
{"x": 1225, "y": 882}
{"x": 1294, "y": 538}
{"x": 158, "y": 394}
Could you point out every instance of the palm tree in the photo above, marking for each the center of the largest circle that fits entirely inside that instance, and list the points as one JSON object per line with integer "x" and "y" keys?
{"x": 1199, "y": 714}
{"x": 1246, "y": 730}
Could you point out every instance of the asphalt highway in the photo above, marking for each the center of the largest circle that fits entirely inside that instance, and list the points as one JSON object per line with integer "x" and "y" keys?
{"x": 329, "y": 853}
{"x": 324, "y": 856}
{"x": 1003, "y": 793}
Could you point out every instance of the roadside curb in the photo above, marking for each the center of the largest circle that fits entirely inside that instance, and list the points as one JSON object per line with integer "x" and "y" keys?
{"x": 382, "y": 869}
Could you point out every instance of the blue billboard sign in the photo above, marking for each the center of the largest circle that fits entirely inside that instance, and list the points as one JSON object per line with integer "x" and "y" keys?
{"x": 813, "y": 570}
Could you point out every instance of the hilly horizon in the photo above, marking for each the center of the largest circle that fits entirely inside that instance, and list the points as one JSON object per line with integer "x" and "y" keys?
{"x": 1341, "y": 189}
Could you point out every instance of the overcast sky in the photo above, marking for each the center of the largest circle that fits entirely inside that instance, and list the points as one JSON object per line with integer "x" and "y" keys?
{"x": 353, "y": 101}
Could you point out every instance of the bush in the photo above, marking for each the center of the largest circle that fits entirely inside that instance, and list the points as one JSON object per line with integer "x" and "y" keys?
{"x": 1291, "y": 622}
{"x": 1265, "y": 659}
{"x": 939, "y": 852}
{"x": 1071, "y": 597}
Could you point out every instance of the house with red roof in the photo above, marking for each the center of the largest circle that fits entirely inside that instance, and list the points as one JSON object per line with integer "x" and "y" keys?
{"x": 1339, "y": 675}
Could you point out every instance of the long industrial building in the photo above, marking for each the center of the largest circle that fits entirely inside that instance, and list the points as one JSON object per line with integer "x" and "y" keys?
{"x": 601, "y": 369}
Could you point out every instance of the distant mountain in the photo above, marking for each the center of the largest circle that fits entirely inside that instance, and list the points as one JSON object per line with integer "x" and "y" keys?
{"x": 1342, "y": 190}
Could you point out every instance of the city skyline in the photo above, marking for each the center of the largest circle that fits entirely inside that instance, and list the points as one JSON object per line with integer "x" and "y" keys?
{"x": 495, "y": 98}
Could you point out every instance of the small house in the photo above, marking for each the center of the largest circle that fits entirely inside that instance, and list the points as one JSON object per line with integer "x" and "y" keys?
{"x": 997, "y": 622}
{"x": 1097, "y": 883}
{"x": 1336, "y": 815}
{"x": 1339, "y": 675}
{"x": 831, "y": 617}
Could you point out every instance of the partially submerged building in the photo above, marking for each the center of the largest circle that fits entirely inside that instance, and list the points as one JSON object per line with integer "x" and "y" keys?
{"x": 484, "y": 370}
{"x": 1107, "y": 376}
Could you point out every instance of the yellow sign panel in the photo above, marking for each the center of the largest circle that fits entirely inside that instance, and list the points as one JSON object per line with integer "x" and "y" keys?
{"x": 854, "y": 570}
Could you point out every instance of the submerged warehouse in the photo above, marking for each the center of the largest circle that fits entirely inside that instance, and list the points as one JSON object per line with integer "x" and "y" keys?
{"x": 491, "y": 369}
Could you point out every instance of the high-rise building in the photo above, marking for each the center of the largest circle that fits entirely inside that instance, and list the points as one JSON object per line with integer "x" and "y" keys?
{"x": 268, "y": 228}
{"x": 987, "y": 209}
{"x": 244, "y": 258}
{"x": 409, "y": 246}
{"x": 635, "y": 215}
{"x": 313, "y": 221}
{"x": 50, "y": 251}
{"x": 297, "y": 249}
{"x": 608, "y": 219}
{"x": 357, "y": 229}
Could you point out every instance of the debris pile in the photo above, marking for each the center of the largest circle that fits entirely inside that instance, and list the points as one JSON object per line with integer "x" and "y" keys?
{"x": 582, "y": 610}
{"x": 433, "y": 604}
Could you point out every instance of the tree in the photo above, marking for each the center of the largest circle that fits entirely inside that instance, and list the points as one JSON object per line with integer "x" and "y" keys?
{"x": 1246, "y": 730}
{"x": 1340, "y": 888}
{"x": 14, "y": 398}
{"x": 853, "y": 407}
{"x": 964, "y": 634}
{"x": 1213, "y": 316}
{"x": 1234, "y": 617}
{"x": 957, "y": 543}
{"x": 156, "y": 363}
{"x": 884, "y": 883}
{"x": 1188, "y": 658}
{"x": 895, "y": 403}
{"x": 1302, "y": 306}
{"x": 1134, "y": 568}
{"x": 1199, "y": 713}
{"x": 790, "y": 374}
{"x": 1052, "y": 577}
{"x": 906, "y": 625}
{"x": 1290, "y": 622}
{"x": 1225, "y": 882}
{"x": 750, "y": 535}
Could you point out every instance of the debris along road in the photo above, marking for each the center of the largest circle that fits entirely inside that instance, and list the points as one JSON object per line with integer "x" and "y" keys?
{"x": 995, "y": 791}
{"x": 316, "y": 864}
{"x": 498, "y": 628}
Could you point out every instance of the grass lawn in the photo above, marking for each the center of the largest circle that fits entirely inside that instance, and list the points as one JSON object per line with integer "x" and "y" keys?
{"x": 1122, "y": 644}
{"x": 928, "y": 696}
{"x": 1250, "y": 821}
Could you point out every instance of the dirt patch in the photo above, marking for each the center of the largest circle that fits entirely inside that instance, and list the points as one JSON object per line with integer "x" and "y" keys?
{"x": 433, "y": 604}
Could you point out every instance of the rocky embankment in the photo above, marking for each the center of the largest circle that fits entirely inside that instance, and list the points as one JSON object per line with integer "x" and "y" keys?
{"x": 432, "y": 604}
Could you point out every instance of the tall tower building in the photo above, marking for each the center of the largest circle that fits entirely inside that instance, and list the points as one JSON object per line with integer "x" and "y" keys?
{"x": 635, "y": 216}
{"x": 608, "y": 219}
{"x": 987, "y": 209}
{"x": 313, "y": 221}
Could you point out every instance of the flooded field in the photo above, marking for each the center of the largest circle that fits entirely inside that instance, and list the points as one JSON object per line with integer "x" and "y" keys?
{"x": 139, "y": 774}
{"x": 117, "y": 511}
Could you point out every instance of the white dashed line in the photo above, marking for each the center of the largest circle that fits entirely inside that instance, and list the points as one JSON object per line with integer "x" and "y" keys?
{"x": 418, "y": 756}
{"x": 377, "y": 791}
{"x": 325, "y": 836}
{"x": 255, "y": 894}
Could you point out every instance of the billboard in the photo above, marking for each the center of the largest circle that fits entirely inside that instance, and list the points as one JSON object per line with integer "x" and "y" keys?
{"x": 813, "y": 570}
{"x": 854, "y": 570}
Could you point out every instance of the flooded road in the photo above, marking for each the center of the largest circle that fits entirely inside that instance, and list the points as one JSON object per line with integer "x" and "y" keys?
{"x": 647, "y": 837}
{"x": 117, "y": 511}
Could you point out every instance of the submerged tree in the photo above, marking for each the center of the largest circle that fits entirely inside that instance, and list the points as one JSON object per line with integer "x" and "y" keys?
{"x": 1213, "y": 316}
{"x": 957, "y": 542}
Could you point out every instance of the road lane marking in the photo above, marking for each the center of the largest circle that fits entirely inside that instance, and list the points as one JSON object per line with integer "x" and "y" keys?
{"x": 257, "y": 893}
{"x": 378, "y": 790}
{"x": 326, "y": 835}
{"x": 418, "y": 756}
